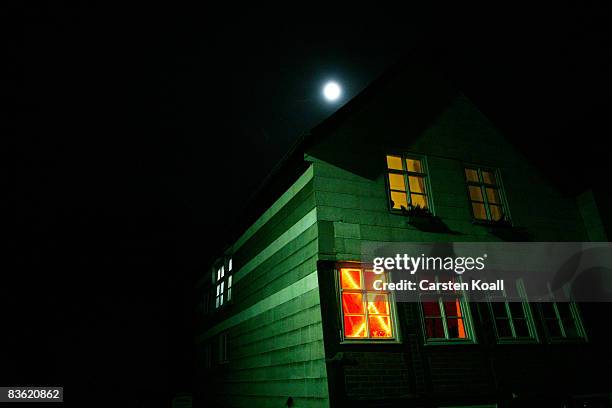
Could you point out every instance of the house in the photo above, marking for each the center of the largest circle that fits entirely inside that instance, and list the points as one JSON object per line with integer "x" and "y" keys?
{"x": 275, "y": 332}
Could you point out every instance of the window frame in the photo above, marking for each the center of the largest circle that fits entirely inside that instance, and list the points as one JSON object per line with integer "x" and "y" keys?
{"x": 467, "y": 319}
{"x": 223, "y": 356}
{"x": 405, "y": 173}
{"x": 395, "y": 339}
{"x": 529, "y": 318}
{"x": 576, "y": 317}
{"x": 499, "y": 186}
{"x": 223, "y": 283}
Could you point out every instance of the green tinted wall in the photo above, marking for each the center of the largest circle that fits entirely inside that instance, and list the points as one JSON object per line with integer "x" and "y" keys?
{"x": 274, "y": 319}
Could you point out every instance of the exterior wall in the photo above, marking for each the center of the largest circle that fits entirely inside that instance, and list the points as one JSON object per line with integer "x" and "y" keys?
{"x": 274, "y": 319}
{"x": 352, "y": 209}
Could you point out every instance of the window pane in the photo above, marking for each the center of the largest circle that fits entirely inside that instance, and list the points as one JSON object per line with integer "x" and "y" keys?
{"x": 568, "y": 319}
{"x": 380, "y": 326}
{"x": 503, "y": 327}
{"x": 354, "y": 326}
{"x": 548, "y": 310}
{"x": 431, "y": 309}
{"x": 452, "y": 308}
{"x": 414, "y": 165}
{"x": 479, "y": 211}
{"x": 488, "y": 177}
{"x": 371, "y": 277}
{"x": 492, "y": 195}
{"x": 552, "y": 325}
{"x": 520, "y": 327}
{"x": 434, "y": 328}
{"x": 564, "y": 311}
{"x": 419, "y": 200}
{"x": 396, "y": 182}
{"x": 472, "y": 175}
{"x": 350, "y": 278}
{"x": 417, "y": 184}
{"x": 499, "y": 309}
{"x": 512, "y": 292}
{"x": 516, "y": 308}
{"x": 399, "y": 200}
{"x": 496, "y": 212}
{"x": 352, "y": 303}
{"x": 456, "y": 329}
{"x": 378, "y": 303}
{"x": 475, "y": 193}
{"x": 229, "y": 281}
{"x": 394, "y": 162}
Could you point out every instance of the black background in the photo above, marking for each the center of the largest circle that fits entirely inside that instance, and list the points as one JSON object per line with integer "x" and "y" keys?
{"x": 133, "y": 135}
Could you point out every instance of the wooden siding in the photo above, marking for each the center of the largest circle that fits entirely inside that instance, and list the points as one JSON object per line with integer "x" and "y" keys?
{"x": 273, "y": 322}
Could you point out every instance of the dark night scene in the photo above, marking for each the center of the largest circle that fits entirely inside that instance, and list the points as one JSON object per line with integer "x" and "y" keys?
{"x": 305, "y": 206}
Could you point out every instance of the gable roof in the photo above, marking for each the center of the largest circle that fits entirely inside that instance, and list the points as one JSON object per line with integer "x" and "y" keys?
{"x": 433, "y": 86}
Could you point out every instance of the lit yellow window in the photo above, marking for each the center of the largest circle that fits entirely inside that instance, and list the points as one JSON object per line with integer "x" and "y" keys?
{"x": 366, "y": 312}
{"x": 407, "y": 183}
{"x": 485, "y": 192}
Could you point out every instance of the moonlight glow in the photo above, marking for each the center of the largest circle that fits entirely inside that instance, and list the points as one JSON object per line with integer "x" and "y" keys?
{"x": 332, "y": 91}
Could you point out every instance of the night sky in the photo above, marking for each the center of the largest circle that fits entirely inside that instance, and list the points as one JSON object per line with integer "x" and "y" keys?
{"x": 133, "y": 138}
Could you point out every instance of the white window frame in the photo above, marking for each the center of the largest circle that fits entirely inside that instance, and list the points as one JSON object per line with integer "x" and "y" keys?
{"x": 222, "y": 278}
{"x": 405, "y": 173}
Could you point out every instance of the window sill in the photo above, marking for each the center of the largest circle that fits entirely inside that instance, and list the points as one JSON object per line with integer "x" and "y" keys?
{"x": 425, "y": 223}
{"x": 505, "y": 231}
{"x": 577, "y": 340}
{"x": 443, "y": 342}
{"x": 370, "y": 341}
{"x": 493, "y": 224}
{"x": 524, "y": 341}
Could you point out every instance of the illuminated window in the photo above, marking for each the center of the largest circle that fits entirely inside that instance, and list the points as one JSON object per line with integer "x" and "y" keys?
{"x": 512, "y": 315}
{"x": 407, "y": 182}
{"x": 485, "y": 194}
{"x": 562, "y": 320}
{"x": 223, "y": 284}
{"x": 446, "y": 317}
{"x": 366, "y": 313}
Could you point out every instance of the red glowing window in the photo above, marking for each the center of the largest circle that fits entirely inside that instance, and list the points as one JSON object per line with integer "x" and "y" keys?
{"x": 444, "y": 319}
{"x": 366, "y": 313}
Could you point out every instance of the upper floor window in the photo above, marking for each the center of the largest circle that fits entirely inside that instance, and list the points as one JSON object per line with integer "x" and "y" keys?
{"x": 408, "y": 185}
{"x": 366, "y": 313}
{"x": 486, "y": 194}
{"x": 223, "y": 284}
{"x": 512, "y": 315}
{"x": 446, "y": 317}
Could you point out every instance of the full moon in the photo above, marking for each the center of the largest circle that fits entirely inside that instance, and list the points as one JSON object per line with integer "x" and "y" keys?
{"x": 331, "y": 91}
